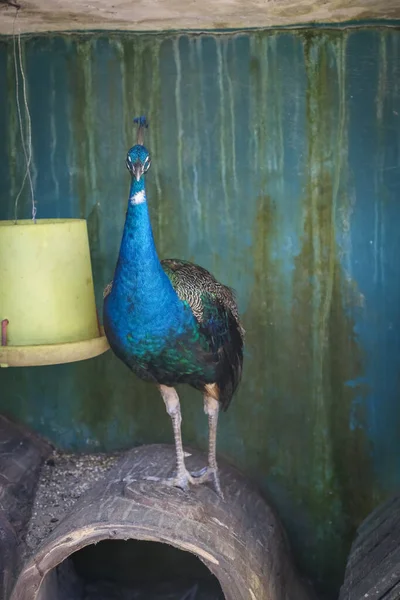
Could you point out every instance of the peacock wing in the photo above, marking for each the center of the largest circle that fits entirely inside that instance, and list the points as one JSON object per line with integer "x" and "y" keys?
{"x": 215, "y": 309}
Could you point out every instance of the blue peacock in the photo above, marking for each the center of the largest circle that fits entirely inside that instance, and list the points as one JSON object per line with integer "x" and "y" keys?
{"x": 172, "y": 322}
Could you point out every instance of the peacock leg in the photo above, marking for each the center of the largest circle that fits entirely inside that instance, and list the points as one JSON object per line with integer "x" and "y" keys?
{"x": 183, "y": 477}
{"x": 211, "y": 408}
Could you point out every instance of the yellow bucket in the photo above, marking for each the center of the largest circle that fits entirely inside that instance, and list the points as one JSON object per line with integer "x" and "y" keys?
{"x": 46, "y": 287}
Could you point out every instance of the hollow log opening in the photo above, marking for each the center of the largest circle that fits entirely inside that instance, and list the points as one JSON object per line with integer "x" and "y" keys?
{"x": 130, "y": 570}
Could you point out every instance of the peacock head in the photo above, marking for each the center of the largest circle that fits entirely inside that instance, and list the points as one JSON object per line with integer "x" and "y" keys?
{"x": 138, "y": 161}
{"x": 138, "y": 158}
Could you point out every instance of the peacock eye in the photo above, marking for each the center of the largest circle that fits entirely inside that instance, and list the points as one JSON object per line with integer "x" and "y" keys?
{"x": 147, "y": 163}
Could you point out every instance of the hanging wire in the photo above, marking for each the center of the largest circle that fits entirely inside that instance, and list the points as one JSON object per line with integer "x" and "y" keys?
{"x": 27, "y": 152}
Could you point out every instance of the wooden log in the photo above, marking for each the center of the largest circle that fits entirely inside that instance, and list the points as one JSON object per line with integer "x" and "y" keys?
{"x": 21, "y": 456}
{"x": 373, "y": 567}
{"x": 240, "y": 539}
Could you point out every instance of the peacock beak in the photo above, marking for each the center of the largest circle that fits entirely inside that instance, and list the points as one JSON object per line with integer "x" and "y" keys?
{"x": 138, "y": 170}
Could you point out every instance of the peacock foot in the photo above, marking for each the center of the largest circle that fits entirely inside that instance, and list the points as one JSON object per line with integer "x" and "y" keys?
{"x": 208, "y": 474}
{"x": 183, "y": 479}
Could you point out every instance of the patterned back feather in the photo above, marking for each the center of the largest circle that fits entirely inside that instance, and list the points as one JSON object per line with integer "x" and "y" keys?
{"x": 191, "y": 282}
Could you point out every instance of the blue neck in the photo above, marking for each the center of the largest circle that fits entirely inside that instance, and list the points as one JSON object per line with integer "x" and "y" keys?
{"x": 139, "y": 274}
